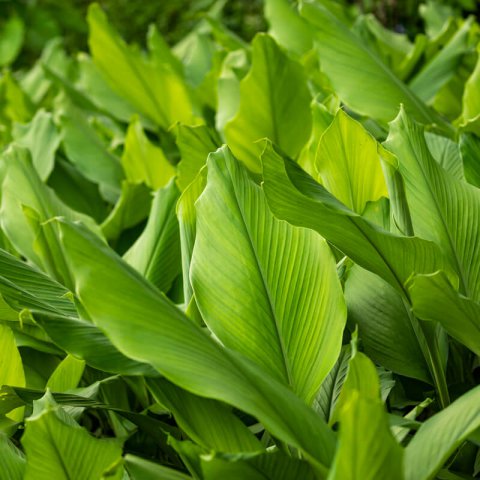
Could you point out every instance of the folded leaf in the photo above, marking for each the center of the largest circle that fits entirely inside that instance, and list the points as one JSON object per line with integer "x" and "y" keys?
{"x": 267, "y": 106}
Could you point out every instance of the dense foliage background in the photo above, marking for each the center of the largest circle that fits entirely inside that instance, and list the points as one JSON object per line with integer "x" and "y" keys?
{"x": 239, "y": 240}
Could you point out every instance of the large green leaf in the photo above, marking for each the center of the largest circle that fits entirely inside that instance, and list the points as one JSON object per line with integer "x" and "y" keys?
{"x": 440, "y": 435}
{"x": 384, "y": 324}
{"x": 12, "y": 461}
{"x": 57, "y": 447}
{"x": 287, "y": 27}
{"x": 141, "y": 469}
{"x": 151, "y": 85}
{"x": 348, "y": 163}
{"x": 26, "y": 203}
{"x": 359, "y": 76}
{"x": 294, "y": 196}
{"x": 41, "y": 137}
{"x": 87, "y": 150}
{"x": 265, "y": 288}
{"x": 443, "y": 209}
{"x": 209, "y": 423}
{"x": 366, "y": 447}
{"x": 267, "y": 106}
{"x": 442, "y": 67}
{"x": 156, "y": 253}
{"x": 144, "y": 161}
{"x": 11, "y": 368}
{"x": 447, "y": 153}
{"x": 434, "y": 298}
{"x": 146, "y": 326}
{"x": 272, "y": 465}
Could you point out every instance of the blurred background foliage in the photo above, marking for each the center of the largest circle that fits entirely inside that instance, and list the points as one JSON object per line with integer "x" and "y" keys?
{"x": 31, "y": 23}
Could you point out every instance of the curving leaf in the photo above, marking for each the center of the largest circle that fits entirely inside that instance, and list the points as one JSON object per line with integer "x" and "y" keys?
{"x": 57, "y": 447}
{"x": 156, "y": 252}
{"x": 267, "y": 106}
{"x": 434, "y": 299}
{"x": 12, "y": 461}
{"x": 348, "y": 163}
{"x": 146, "y": 326}
{"x": 359, "y": 76}
{"x": 447, "y": 153}
{"x": 141, "y": 469}
{"x": 441, "y": 435}
{"x": 265, "y": 288}
{"x": 443, "y": 209}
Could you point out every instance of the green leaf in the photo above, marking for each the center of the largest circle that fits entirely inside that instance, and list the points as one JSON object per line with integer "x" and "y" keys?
{"x": 366, "y": 447}
{"x": 143, "y": 161}
{"x": 274, "y": 464}
{"x": 131, "y": 208}
{"x": 434, "y": 299}
{"x": 11, "y": 368}
{"x": 141, "y": 469}
{"x": 11, "y": 39}
{"x": 265, "y": 288}
{"x": 348, "y": 163}
{"x": 443, "y": 66}
{"x": 41, "y": 137}
{"x": 471, "y": 100}
{"x": 470, "y": 151}
{"x": 294, "y": 196}
{"x": 26, "y": 203}
{"x": 12, "y": 462}
{"x": 57, "y": 447}
{"x": 287, "y": 27}
{"x": 359, "y": 76}
{"x": 443, "y": 209}
{"x": 446, "y": 153}
{"x": 87, "y": 151}
{"x": 146, "y": 326}
{"x": 156, "y": 253}
{"x": 267, "y": 108}
{"x": 67, "y": 375}
{"x": 148, "y": 83}
{"x": 209, "y": 423}
{"x": 194, "y": 143}
{"x": 441, "y": 435}
{"x": 384, "y": 324}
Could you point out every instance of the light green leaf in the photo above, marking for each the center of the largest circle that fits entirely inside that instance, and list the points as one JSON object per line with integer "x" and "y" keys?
{"x": 26, "y": 203}
{"x": 265, "y": 288}
{"x": 447, "y": 153}
{"x": 366, "y": 447}
{"x": 131, "y": 208}
{"x": 287, "y": 27}
{"x": 11, "y": 368}
{"x": 441, "y": 435}
{"x": 209, "y": 423}
{"x": 12, "y": 34}
{"x": 57, "y": 447}
{"x": 443, "y": 209}
{"x": 434, "y": 298}
{"x": 471, "y": 100}
{"x": 275, "y": 465}
{"x": 294, "y": 196}
{"x": 41, "y": 137}
{"x": 348, "y": 163}
{"x": 86, "y": 150}
{"x": 143, "y": 161}
{"x": 146, "y": 326}
{"x": 141, "y": 469}
{"x": 67, "y": 375}
{"x": 156, "y": 253}
{"x": 384, "y": 324}
{"x": 359, "y": 76}
{"x": 443, "y": 66}
{"x": 267, "y": 107}
{"x": 12, "y": 461}
{"x": 151, "y": 85}
{"x": 194, "y": 143}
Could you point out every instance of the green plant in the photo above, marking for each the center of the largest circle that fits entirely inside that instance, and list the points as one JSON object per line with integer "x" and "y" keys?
{"x": 302, "y": 302}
